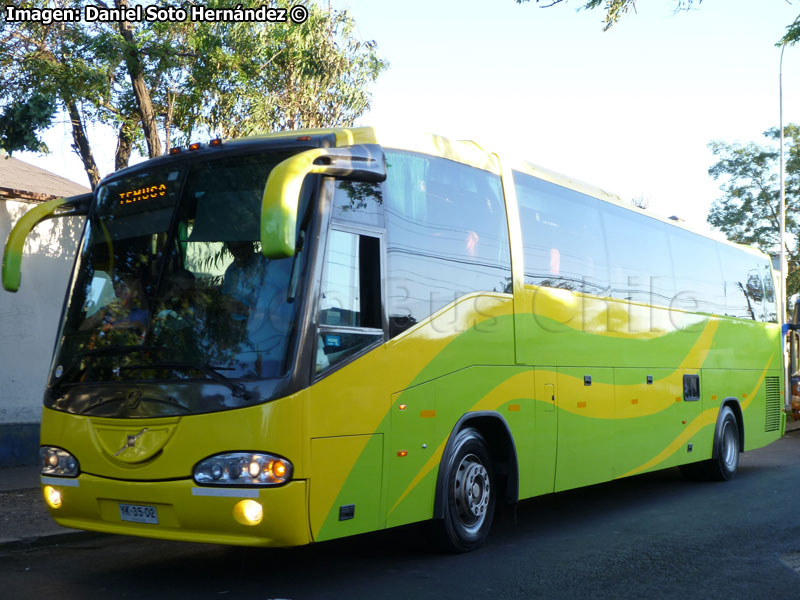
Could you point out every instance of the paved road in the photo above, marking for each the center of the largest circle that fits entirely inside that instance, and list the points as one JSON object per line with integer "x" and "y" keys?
{"x": 653, "y": 536}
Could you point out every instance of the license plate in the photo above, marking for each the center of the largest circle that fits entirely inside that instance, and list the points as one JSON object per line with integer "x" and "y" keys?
{"x": 136, "y": 513}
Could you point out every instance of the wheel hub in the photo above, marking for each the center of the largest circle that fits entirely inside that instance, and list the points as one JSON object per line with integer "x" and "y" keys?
{"x": 472, "y": 490}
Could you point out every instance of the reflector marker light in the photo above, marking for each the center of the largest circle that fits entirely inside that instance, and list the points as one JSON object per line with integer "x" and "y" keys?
{"x": 175, "y": 150}
{"x": 195, "y": 146}
{"x": 215, "y": 142}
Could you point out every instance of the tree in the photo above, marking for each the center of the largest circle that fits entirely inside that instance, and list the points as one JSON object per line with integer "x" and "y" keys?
{"x": 316, "y": 71}
{"x": 158, "y": 83}
{"x": 749, "y": 210}
{"x": 44, "y": 68}
{"x": 615, "y": 9}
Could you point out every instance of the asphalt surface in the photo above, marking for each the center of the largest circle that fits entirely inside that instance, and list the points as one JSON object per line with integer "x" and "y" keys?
{"x": 652, "y": 536}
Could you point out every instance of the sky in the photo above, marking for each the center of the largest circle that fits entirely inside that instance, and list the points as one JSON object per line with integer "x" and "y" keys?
{"x": 630, "y": 110}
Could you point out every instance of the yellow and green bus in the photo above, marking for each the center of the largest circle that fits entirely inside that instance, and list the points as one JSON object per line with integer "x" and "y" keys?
{"x": 313, "y": 334}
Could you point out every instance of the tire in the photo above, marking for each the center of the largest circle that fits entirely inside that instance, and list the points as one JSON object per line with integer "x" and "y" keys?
{"x": 725, "y": 461}
{"x": 470, "y": 491}
{"x": 726, "y": 448}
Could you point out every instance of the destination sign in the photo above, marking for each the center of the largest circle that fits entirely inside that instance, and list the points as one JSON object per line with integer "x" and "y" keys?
{"x": 143, "y": 193}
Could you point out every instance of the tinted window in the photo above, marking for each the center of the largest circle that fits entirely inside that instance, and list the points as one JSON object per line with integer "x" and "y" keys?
{"x": 562, "y": 236}
{"x": 743, "y": 289}
{"x": 350, "y": 302}
{"x": 359, "y": 202}
{"x": 446, "y": 235}
{"x": 698, "y": 275}
{"x": 638, "y": 252}
{"x": 770, "y": 306}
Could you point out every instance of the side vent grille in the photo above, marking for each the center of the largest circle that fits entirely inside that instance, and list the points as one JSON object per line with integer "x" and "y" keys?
{"x": 773, "y": 420}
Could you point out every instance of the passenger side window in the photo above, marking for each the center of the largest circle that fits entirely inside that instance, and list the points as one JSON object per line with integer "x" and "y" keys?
{"x": 562, "y": 236}
{"x": 770, "y": 306}
{"x": 743, "y": 289}
{"x": 447, "y": 235}
{"x": 638, "y": 251}
{"x": 698, "y": 274}
{"x": 350, "y": 298}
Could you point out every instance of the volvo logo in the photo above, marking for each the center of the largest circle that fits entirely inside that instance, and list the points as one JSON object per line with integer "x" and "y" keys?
{"x": 131, "y": 441}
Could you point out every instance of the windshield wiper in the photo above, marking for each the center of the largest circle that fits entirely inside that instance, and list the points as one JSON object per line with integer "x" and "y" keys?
{"x": 116, "y": 350}
{"x": 121, "y": 400}
{"x": 236, "y": 387}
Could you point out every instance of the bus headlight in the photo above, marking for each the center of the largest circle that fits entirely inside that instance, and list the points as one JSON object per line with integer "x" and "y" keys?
{"x": 243, "y": 468}
{"x": 58, "y": 462}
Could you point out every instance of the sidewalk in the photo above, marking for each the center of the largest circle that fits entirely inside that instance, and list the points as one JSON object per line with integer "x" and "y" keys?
{"x": 24, "y": 519}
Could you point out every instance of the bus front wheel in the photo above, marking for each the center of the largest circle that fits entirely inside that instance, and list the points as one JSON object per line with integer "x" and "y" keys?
{"x": 469, "y": 493}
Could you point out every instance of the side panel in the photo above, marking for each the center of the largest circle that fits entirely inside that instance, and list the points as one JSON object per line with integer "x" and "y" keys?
{"x": 759, "y": 396}
{"x": 586, "y": 427}
{"x": 356, "y": 508}
{"x": 538, "y": 469}
{"x": 413, "y": 442}
{"x": 653, "y": 418}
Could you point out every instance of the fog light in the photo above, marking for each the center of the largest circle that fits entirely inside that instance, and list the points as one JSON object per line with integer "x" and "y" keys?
{"x": 248, "y": 512}
{"x": 52, "y": 496}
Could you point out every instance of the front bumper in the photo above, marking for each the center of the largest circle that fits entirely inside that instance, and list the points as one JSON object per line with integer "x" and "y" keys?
{"x": 185, "y": 511}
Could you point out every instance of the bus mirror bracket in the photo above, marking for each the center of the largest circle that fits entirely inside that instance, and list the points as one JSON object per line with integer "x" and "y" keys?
{"x": 12, "y": 255}
{"x": 364, "y": 162}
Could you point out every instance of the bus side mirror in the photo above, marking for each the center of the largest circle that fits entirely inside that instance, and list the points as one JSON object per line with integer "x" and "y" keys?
{"x": 363, "y": 162}
{"x": 12, "y": 255}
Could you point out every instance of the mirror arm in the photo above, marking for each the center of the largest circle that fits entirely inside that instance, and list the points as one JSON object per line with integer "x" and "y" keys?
{"x": 12, "y": 255}
{"x": 364, "y": 162}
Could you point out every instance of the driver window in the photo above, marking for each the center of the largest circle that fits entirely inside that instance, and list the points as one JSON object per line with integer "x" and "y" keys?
{"x": 350, "y": 298}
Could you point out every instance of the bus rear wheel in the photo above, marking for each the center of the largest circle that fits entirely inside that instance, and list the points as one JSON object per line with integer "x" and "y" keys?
{"x": 469, "y": 493}
{"x": 724, "y": 464}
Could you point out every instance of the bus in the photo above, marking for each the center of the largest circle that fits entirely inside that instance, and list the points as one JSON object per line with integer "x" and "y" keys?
{"x": 312, "y": 334}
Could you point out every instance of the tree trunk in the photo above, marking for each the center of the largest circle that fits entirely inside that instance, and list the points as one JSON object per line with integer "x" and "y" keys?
{"x": 124, "y": 146}
{"x": 81, "y": 143}
{"x": 140, "y": 91}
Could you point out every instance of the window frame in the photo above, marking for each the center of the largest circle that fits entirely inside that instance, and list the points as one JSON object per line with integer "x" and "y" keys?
{"x": 335, "y": 224}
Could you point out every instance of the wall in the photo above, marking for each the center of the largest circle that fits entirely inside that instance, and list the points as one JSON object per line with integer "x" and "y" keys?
{"x": 28, "y": 328}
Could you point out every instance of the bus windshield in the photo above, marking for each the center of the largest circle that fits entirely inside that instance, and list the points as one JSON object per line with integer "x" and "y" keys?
{"x": 170, "y": 283}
